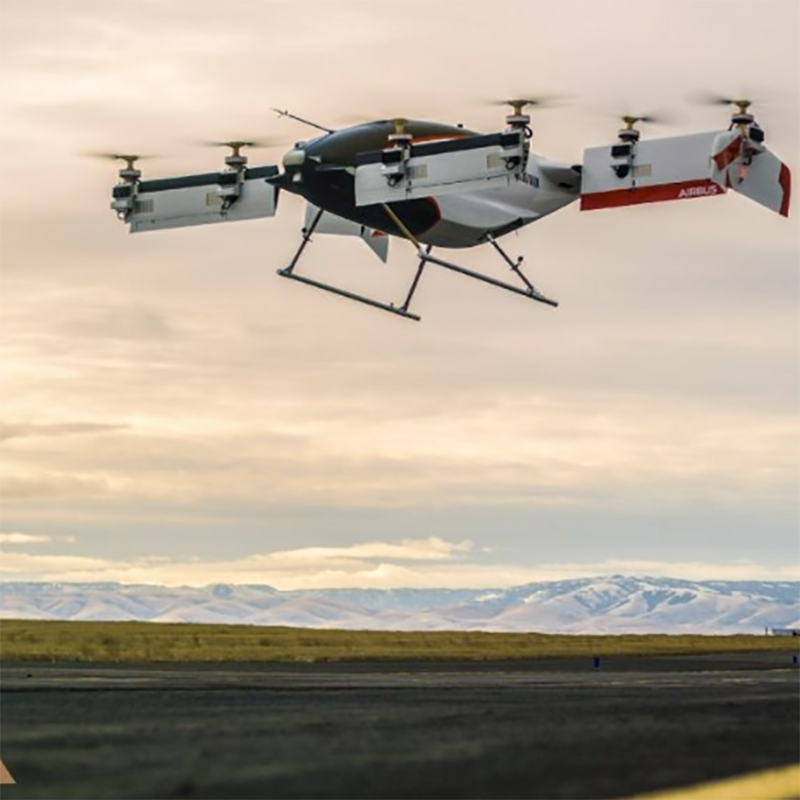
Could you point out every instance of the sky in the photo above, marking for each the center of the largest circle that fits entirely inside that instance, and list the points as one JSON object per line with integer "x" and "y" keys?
{"x": 174, "y": 413}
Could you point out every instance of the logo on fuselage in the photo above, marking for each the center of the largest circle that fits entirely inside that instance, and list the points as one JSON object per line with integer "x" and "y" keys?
{"x": 698, "y": 191}
{"x": 531, "y": 180}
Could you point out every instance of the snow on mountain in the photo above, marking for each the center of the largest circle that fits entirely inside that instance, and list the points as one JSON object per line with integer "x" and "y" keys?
{"x": 617, "y": 604}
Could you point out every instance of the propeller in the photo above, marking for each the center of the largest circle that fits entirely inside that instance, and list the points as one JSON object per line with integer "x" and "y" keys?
{"x": 129, "y": 159}
{"x": 235, "y": 160}
{"x": 742, "y": 104}
{"x": 237, "y": 144}
{"x": 378, "y": 116}
{"x": 742, "y": 117}
{"x": 519, "y": 119}
{"x": 630, "y": 120}
{"x": 629, "y": 132}
{"x": 400, "y": 137}
{"x": 398, "y": 133}
{"x": 519, "y": 103}
{"x": 129, "y": 173}
{"x": 399, "y": 125}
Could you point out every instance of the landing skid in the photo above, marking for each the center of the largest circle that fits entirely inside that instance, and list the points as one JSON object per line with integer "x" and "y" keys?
{"x": 288, "y": 272}
{"x": 425, "y": 257}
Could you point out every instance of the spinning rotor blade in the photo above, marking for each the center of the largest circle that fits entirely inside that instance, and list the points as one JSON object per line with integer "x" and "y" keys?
{"x": 519, "y": 103}
{"x": 634, "y": 118}
{"x": 398, "y": 122}
{"x": 712, "y": 99}
{"x": 129, "y": 169}
{"x": 741, "y": 102}
{"x": 378, "y": 116}
{"x": 128, "y": 172}
{"x": 119, "y": 157}
{"x": 629, "y": 120}
{"x": 236, "y": 144}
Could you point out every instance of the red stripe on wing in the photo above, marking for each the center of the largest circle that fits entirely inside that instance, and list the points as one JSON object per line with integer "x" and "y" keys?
{"x": 729, "y": 154}
{"x": 785, "y": 180}
{"x": 683, "y": 190}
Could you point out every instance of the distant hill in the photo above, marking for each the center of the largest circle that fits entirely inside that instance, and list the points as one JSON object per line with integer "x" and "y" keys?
{"x": 616, "y": 604}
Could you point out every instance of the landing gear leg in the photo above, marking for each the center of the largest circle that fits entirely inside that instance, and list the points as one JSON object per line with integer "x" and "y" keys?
{"x": 414, "y": 283}
{"x": 515, "y": 266}
{"x": 425, "y": 257}
{"x": 288, "y": 272}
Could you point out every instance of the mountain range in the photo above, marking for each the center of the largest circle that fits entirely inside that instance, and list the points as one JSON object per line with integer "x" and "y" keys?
{"x": 615, "y": 604}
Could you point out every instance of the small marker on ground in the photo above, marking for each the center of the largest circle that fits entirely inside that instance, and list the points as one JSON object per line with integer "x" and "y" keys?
{"x": 596, "y": 662}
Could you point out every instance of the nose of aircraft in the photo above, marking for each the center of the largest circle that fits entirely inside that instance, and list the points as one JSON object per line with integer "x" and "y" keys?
{"x": 294, "y": 158}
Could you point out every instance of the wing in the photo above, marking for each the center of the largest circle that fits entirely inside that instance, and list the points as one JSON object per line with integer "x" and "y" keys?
{"x": 684, "y": 167}
{"x": 197, "y": 199}
{"x": 438, "y": 168}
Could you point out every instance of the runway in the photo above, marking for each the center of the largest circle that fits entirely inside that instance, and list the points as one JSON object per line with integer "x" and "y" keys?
{"x": 538, "y": 729}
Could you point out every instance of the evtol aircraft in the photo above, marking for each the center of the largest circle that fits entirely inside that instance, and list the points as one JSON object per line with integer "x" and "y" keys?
{"x": 444, "y": 186}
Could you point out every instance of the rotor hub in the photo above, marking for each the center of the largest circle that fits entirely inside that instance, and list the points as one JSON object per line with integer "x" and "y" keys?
{"x": 129, "y": 175}
{"x": 400, "y": 138}
{"x": 742, "y": 118}
{"x": 518, "y": 120}
{"x": 629, "y": 135}
{"x": 236, "y": 160}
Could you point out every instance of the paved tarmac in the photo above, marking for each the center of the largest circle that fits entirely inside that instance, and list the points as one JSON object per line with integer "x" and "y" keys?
{"x": 537, "y": 729}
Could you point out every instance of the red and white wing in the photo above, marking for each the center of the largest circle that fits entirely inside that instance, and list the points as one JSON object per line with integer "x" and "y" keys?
{"x": 673, "y": 168}
{"x": 682, "y": 168}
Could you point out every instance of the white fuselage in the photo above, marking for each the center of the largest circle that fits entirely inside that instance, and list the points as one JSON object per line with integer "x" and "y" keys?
{"x": 467, "y": 218}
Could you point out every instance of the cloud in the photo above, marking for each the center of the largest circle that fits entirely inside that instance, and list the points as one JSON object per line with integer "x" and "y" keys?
{"x": 322, "y": 452}
{"x": 372, "y": 562}
{"x": 24, "y": 538}
{"x": 25, "y": 430}
{"x": 432, "y": 549}
{"x": 380, "y": 565}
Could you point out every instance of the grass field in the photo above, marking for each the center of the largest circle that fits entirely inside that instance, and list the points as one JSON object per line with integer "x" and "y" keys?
{"x": 22, "y": 640}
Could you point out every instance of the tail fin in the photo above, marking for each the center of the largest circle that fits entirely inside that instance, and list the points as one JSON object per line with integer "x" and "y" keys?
{"x": 752, "y": 170}
{"x": 329, "y": 223}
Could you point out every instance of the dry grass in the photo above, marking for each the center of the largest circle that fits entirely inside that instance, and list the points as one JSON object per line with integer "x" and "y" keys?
{"x": 22, "y": 640}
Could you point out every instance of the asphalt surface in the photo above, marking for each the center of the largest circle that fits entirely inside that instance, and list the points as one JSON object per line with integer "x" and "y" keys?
{"x": 545, "y": 729}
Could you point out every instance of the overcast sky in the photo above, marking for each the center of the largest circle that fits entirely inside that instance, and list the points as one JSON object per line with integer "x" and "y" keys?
{"x": 174, "y": 412}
